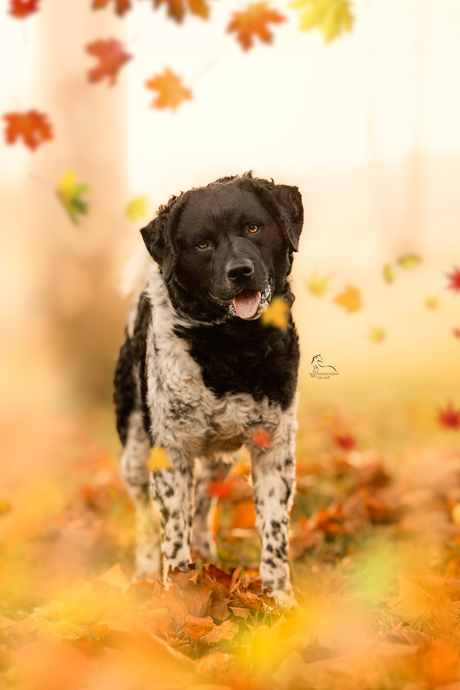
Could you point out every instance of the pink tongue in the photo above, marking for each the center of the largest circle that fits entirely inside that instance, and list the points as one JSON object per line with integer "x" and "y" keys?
{"x": 246, "y": 303}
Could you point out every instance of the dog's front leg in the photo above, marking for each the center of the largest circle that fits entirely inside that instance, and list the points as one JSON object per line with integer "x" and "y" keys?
{"x": 172, "y": 492}
{"x": 273, "y": 476}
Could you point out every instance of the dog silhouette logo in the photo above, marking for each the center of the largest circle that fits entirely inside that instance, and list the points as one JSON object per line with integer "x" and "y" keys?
{"x": 322, "y": 370}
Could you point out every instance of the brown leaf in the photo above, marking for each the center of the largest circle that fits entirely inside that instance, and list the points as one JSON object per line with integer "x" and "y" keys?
{"x": 196, "y": 628}
{"x": 177, "y": 8}
{"x": 121, "y": 6}
{"x": 221, "y": 633}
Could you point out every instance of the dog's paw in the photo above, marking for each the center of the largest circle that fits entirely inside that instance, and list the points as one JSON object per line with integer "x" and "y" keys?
{"x": 284, "y": 600}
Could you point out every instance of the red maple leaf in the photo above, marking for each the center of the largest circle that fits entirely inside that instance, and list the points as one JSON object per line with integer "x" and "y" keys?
{"x": 253, "y": 21}
{"x": 454, "y": 277}
{"x": 262, "y": 438}
{"x": 22, "y": 8}
{"x": 32, "y": 127}
{"x": 121, "y": 6}
{"x": 111, "y": 56}
{"x": 221, "y": 488}
{"x": 449, "y": 418}
{"x": 345, "y": 441}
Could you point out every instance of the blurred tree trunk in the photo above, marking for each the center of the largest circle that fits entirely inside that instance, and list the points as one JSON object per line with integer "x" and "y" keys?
{"x": 79, "y": 295}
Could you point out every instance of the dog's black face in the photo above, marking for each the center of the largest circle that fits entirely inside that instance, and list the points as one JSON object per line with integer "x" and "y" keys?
{"x": 226, "y": 249}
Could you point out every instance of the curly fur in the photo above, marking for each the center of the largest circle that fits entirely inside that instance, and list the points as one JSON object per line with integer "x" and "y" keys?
{"x": 196, "y": 379}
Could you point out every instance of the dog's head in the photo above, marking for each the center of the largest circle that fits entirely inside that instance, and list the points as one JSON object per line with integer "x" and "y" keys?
{"x": 226, "y": 249}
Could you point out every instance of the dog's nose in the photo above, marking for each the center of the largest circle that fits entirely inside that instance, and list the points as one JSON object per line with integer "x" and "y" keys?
{"x": 240, "y": 269}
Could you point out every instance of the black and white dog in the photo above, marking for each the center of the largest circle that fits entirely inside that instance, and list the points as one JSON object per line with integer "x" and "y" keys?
{"x": 199, "y": 374}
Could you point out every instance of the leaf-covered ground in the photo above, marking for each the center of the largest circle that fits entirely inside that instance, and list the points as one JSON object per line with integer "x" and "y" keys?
{"x": 375, "y": 557}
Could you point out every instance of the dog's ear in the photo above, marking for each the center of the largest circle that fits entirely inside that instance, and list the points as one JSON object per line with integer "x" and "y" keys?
{"x": 289, "y": 200}
{"x": 160, "y": 234}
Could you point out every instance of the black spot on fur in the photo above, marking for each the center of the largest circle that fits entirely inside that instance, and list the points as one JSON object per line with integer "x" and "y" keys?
{"x": 125, "y": 389}
{"x": 246, "y": 357}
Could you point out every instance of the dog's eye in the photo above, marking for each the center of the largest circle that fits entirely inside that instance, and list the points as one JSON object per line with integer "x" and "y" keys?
{"x": 202, "y": 244}
{"x": 253, "y": 227}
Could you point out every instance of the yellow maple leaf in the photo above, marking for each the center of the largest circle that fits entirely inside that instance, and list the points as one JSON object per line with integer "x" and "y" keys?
{"x": 377, "y": 334}
{"x": 138, "y": 208}
{"x": 332, "y": 17}
{"x": 318, "y": 286}
{"x": 350, "y": 299}
{"x": 432, "y": 302}
{"x": 69, "y": 193}
{"x": 276, "y": 314}
{"x": 158, "y": 460}
{"x": 409, "y": 260}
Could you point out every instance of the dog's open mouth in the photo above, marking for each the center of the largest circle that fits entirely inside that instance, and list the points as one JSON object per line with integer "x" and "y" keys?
{"x": 246, "y": 303}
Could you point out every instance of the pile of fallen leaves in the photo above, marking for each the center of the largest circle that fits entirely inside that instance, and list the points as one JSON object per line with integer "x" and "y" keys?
{"x": 378, "y": 590}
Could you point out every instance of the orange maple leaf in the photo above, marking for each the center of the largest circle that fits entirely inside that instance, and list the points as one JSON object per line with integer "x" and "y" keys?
{"x": 454, "y": 278}
{"x": 171, "y": 91}
{"x": 22, "y": 8}
{"x": 254, "y": 22}
{"x": 121, "y": 6}
{"x": 32, "y": 127}
{"x": 350, "y": 299}
{"x": 456, "y": 332}
{"x": 449, "y": 418}
{"x": 177, "y": 8}
{"x": 111, "y": 57}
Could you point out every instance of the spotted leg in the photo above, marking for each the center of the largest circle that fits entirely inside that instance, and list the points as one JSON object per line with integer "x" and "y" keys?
{"x": 207, "y": 470}
{"x": 136, "y": 475}
{"x": 172, "y": 492}
{"x": 273, "y": 476}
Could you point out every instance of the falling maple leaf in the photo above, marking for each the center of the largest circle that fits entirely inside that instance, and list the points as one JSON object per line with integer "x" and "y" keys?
{"x": 456, "y": 332}
{"x": 377, "y": 334}
{"x": 409, "y": 260}
{"x": 318, "y": 286}
{"x": 432, "y": 302}
{"x": 111, "y": 56}
{"x": 32, "y": 127}
{"x": 454, "y": 278}
{"x": 138, "y": 208}
{"x": 253, "y": 21}
{"x": 449, "y": 418}
{"x": 276, "y": 314}
{"x": 171, "y": 91}
{"x": 158, "y": 460}
{"x": 176, "y": 9}
{"x": 69, "y": 193}
{"x": 389, "y": 273}
{"x": 22, "y": 8}
{"x": 121, "y": 6}
{"x": 350, "y": 299}
{"x": 332, "y": 17}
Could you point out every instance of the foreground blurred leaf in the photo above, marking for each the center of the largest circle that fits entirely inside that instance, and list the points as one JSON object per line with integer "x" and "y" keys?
{"x": 350, "y": 299}
{"x": 138, "y": 208}
{"x": 276, "y": 314}
{"x": 449, "y": 418}
{"x": 158, "y": 460}
{"x": 177, "y": 8}
{"x": 32, "y": 127}
{"x": 454, "y": 278}
{"x": 70, "y": 192}
{"x": 318, "y": 286}
{"x": 409, "y": 260}
{"x": 171, "y": 91}
{"x": 432, "y": 302}
{"x": 253, "y": 21}
{"x": 332, "y": 17}
{"x": 121, "y": 6}
{"x": 111, "y": 56}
